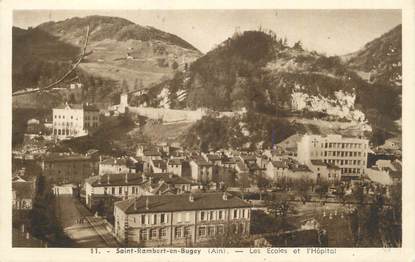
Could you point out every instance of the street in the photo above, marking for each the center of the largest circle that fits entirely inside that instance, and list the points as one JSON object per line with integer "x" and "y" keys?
{"x": 80, "y": 225}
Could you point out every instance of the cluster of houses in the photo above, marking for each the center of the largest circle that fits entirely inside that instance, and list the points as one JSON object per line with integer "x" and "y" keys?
{"x": 165, "y": 195}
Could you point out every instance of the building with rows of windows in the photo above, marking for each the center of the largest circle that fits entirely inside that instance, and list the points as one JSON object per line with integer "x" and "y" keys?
{"x": 132, "y": 185}
{"x": 180, "y": 220}
{"x": 349, "y": 154}
{"x": 74, "y": 120}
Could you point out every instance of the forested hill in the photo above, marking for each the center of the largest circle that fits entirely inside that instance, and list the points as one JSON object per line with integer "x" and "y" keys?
{"x": 120, "y": 55}
{"x": 258, "y": 71}
{"x": 106, "y": 27}
{"x": 382, "y": 57}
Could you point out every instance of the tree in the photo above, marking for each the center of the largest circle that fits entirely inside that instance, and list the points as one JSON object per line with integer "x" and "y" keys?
{"x": 174, "y": 65}
{"x": 303, "y": 185}
{"x": 298, "y": 46}
{"x": 354, "y": 226}
{"x": 262, "y": 184}
{"x": 358, "y": 194}
{"x": 322, "y": 187}
{"x": 229, "y": 238}
{"x": 279, "y": 210}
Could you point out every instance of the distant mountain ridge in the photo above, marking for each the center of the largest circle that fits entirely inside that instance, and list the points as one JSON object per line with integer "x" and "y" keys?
{"x": 121, "y": 55}
{"x": 104, "y": 27}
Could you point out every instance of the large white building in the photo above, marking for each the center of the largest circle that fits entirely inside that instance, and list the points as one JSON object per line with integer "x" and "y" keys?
{"x": 349, "y": 154}
{"x": 74, "y": 120}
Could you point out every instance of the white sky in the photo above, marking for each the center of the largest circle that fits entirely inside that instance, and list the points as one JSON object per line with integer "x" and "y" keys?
{"x": 333, "y": 32}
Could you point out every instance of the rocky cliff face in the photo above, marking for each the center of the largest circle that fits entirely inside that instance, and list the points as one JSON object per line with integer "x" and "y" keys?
{"x": 342, "y": 106}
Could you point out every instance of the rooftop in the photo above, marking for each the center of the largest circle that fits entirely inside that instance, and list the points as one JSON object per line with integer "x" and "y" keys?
{"x": 199, "y": 160}
{"x": 175, "y": 161}
{"x": 169, "y": 203}
{"x": 65, "y": 157}
{"x": 86, "y": 107}
{"x": 135, "y": 179}
{"x": 279, "y": 164}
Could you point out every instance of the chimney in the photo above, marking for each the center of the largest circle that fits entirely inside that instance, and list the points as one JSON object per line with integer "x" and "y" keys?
{"x": 22, "y": 228}
{"x": 225, "y": 196}
{"x": 126, "y": 178}
{"x": 143, "y": 177}
{"x": 150, "y": 179}
{"x": 108, "y": 179}
{"x": 191, "y": 198}
{"x": 170, "y": 175}
{"x": 135, "y": 203}
{"x": 27, "y": 235}
{"x": 147, "y": 203}
{"x": 100, "y": 158}
{"x": 99, "y": 180}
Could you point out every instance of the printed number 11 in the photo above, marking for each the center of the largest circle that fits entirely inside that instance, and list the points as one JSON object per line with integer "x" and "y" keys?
{"x": 94, "y": 251}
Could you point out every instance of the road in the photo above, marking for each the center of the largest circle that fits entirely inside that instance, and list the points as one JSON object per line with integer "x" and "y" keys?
{"x": 81, "y": 226}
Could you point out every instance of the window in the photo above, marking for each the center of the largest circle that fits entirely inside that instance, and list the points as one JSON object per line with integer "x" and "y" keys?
{"x": 202, "y": 215}
{"x": 178, "y": 232}
{"x": 187, "y": 216}
{"x": 162, "y": 218}
{"x": 235, "y": 213}
{"x": 220, "y": 230}
{"x": 211, "y": 215}
{"x": 179, "y": 217}
{"x": 187, "y": 232}
{"x": 143, "y": 219}
{"x": 220, "y": 214}
{"x": 113, "y": 190}
{"x": 154, "y": 219}
{"x": 202, "y": 231}
{"x": 120, "y": 190}
{"x": 163, "y": 233}
{"x": 153, "y": 234}
{"x": 211, "y": 231}
{"x": 143, "y": 234}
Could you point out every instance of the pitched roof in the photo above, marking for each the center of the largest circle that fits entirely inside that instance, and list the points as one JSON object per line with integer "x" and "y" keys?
{"x": 279, "y": 164}
{"x": 151, "y": 153}
{"x": 66, "y": 157}
{"x": 169, "y": 203}
{"x": 175, "y": 161}
{"x": 318, "y": 163}
{"x": 86, "y": 107}
{"x": 135, "y": 179}
{"x": 200, "y": 161}
{"x": 300, "y": 168}
{"x": 114, "y": 161}
{"x": 213, "y": 157}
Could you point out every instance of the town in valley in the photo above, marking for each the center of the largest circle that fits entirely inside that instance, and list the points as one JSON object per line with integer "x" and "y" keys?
{"x": 129, "y": 137}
